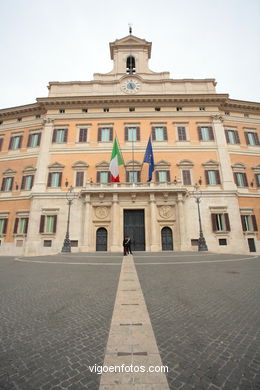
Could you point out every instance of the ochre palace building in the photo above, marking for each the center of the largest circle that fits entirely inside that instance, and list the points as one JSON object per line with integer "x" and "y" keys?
{"x": 199, "y": 138}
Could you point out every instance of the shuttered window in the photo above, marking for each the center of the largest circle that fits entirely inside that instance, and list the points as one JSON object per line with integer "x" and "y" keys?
{"x": 34, "y": 140}
{"x": 15, "y": 142}
{"x": 232, "y": 137}
{"x": 212, "y": 177}
{"x": 133, "y": 176}
{"x": 159, "y": 133}
{"x": 251, "y": 138}
{"x": 181, "y": 133}
{"x": 54, "y": 179}
{"x": 60, "y": 136}
{"x": 79, "y": 179}
{"x": 21, "y": 225}
{"x": 103, "y": 176}
{"x": 220, "y": 222}
{"x": 186, "y": 177}
{"x": 7, "y": 184}
{"x": 3, "y": 225}
{"x": 48, "y": 224}
{"x": 105, "y": 134}
{"x": 205, "y": 133}
{"x": 249, "y": 223}
{"x": 240, "y": 179}
{"x": 132, "y": 133}
{"x": 83, "y": 133}
{"x": 257, "y": 179}
{"x": 27, "y": 182}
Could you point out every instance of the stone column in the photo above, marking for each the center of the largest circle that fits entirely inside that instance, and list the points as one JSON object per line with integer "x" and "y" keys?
{"x": 40, "y": 179}
{"x": 182, "y": 223}
{"x": 116, "y": 245}
{"x": 86, "y": 224}
{"x": 223, "y": 156}
{"x": 154, "y": 232}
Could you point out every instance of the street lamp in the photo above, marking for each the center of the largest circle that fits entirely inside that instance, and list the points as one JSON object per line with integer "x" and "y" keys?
{"x": 202, "y": 242}
{"x": 66, "y": 244}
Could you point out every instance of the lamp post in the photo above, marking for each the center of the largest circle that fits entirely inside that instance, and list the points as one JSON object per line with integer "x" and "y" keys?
{"x": 66, "y": 244}
{"x": 202, "y": 242}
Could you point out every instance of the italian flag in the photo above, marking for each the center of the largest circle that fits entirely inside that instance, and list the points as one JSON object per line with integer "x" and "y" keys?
{"x": 115, "y": 161}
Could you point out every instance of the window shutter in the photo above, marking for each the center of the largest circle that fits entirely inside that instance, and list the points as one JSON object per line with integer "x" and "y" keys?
{"x": 153, "y": 133}
{"x": 79, "y": 179}
{"x": 256, "y": 138}
{"x": 214, "y": 223}
{"x": 99, "y": 134}
{"x": 26, "y": 225}
{"x": 227, "y": 137}
{"x": 111, "y": 134}
{"x": 98, "y": 177}
{"x": 16, "y": 225}
{"x": 54, "y": 135}
{"x": 186, "y": 177}
{"x": 83, "y": 135}
{"x": 32, "y": 181}
{"x": 168, "y": 176}
{"x": 5, "y": 226}
{"x": 55, "y": 224}
{"x": 257, "y": 180}
{"x": 65, "y": 135}
{"x": 60, "y": 177}
{"x": 246, "y": 137}
{"x": 243, "y": 223}
{"x": 29, "y": 140}
{"x": 23, "y": 182}
{"x": 1, "y": 143}
{"x": 254, "y": 223}
{"x": 12, "y": 182}
{"x": 207, "y": 177}
{"x": 227, "y": 222}
{"x": 217, "y": 177}
{"x": 39, "y": 139}
{"x": 3, "y": 184}
{"x": 127, "y": 176}
{"x": 42, "y": 221}
{"x": 156, "y": 176}
{"x": 235, "y": 178}
{"x": 165, "y": 136}
{"x": 20, "y": 141}
{"x": 199, "y": 132}
{"x": 211, "y": 134}
{"x": 10, "y": 143}
{"x": 138, "y": 176}
{"x": 126, "y": 133}
{"x": 138, "y": 133}
{"x": 245, "y": 180}
{"x": 49, "y": 179}
{"x": 237, "y": 137}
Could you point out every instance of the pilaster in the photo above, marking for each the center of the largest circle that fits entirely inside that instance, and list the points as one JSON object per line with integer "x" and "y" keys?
{"x": 154, "y": 232}
{"x": 116, "y": 245}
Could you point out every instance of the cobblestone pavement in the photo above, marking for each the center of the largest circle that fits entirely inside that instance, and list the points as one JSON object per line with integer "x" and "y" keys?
{"x": 205, "y": 317}
{"x": 54, "y": 321}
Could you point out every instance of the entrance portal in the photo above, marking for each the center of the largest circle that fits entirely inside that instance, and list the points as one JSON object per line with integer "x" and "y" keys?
{"x": 167, "y": 242}
{"x": 135, "y": 229}
{"x": 101, "y": 239}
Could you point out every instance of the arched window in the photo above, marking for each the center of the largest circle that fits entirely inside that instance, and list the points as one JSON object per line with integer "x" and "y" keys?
{"x": 130, "y": 65}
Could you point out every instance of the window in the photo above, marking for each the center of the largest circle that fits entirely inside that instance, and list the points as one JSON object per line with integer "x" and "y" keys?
{"x": 34, "y": 140}
{"x": 83, "y": 133}
{"x": 106, "y": 109}
{"x": 130, "y": 65}
{"x": 205, "y": 133}
{"x": 181, "y": 133}
{"x": 257, "y": 179}
{"x": 47, "y": 243}
{"x": 79, "y": 179}
{"x": 84, "y": 110}
{"x": 202, "y": 108}
{"x": 186, "y": 177}
{"x": 220, "y": 222}
{"x": 62, "y": 111}
{"x": 27, "y": 182}
{"x": 132, "y": 134}
{"x": 7, "y": 184}
{"x": 15, "y": 142}
{"x": 212, "y": 177}
{"x": 21, "y": 225}
{"x": 159, "y": 133}
{"x": 1, "y": 143}
{"x": 59, "y": 135}
{"x": 251, "y": 138}
{"x": 162, "y": 176}
{"x": 102, "y": 177}
{"x": 133, "y": 176}
{"x": 105, "y": 134}
{"x": 54, "y": 179}
{"x": 240, "y": 179}
{"x": 232, "y": 137}
{"x": 3, "y": 225}
{"x": 249, "y": 223}
{"x": 48, "y": 224}
{"x": 178, "y": 108}
{"x": 222, "y": 241}
{"x": 157, "y": 108}
{"x": 131, "y": 109}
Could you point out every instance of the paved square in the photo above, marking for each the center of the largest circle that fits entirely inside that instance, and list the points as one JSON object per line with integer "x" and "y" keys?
{"x": 56, "y": 313}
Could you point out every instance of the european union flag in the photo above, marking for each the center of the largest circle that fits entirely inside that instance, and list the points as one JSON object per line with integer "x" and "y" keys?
{"x": 148, "y": 158}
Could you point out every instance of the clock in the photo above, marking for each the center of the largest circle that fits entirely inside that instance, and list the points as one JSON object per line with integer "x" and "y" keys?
{"x": 130, "y": 86}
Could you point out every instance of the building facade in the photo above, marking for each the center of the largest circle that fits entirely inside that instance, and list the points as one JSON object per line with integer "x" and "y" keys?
{"x": 66, "y": 139}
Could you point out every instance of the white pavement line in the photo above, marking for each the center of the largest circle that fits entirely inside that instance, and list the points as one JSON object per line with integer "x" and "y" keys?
{"x": 200, "y": 262}
{"x": 131, "y": 342}
{"x": 61, "y": 262}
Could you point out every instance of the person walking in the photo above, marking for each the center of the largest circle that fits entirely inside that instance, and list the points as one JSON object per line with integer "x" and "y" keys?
{"x": 129, "y": 245}
{"x": 125, "y": 246}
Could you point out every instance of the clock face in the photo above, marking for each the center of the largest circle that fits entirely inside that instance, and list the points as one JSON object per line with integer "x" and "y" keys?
{"x": 130, "y": 86}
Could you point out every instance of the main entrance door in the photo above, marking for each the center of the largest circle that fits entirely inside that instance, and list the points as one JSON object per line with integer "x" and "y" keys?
{"x": 134, "y": 228}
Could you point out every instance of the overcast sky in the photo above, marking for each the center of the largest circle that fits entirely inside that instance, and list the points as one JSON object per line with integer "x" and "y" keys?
{"x": 65, "y": 40}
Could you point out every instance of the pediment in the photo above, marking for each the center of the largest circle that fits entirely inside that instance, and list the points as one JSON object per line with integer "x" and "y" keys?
{"x": 29, "y": 169}
{"x": 9, "y": 171}
{"x": 132, "y": 163}
{"x": 239, "y": 165}
{"x": 211, "y": 163}
{"x": 80, "y": 164}
{"x": 102, "y": 164}
{"x": 56, "y": 165}
{"x": 130, "y": 41}
{"x": 162, "y": 163}
{"x": 185, "y": 163}
{"x": 256, "y": 168}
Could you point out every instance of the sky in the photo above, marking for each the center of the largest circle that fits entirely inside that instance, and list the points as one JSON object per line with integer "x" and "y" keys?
{"x": 68, "y": 40}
